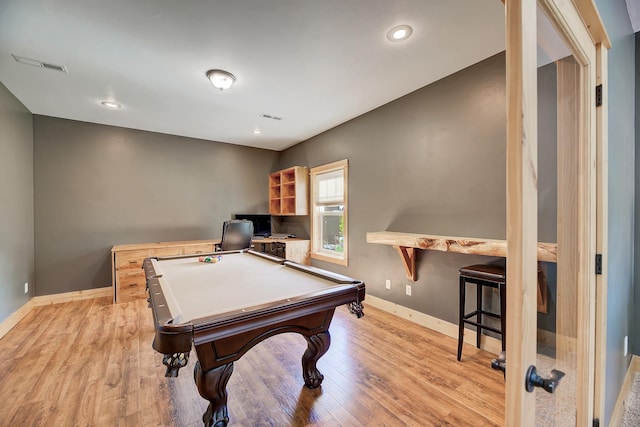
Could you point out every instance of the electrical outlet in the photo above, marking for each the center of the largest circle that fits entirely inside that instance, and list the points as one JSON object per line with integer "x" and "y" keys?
{"x": 26, "y": 287}
{"x": 387, "y": 283}
{"x": 408, "y": 290}
{"x": 626, "y": 344}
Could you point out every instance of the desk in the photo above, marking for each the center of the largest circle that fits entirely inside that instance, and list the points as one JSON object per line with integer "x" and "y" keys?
{"x": 223, "y": 309}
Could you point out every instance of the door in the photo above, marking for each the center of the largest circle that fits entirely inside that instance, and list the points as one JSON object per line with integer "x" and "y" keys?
{"x": 550, "y": 363}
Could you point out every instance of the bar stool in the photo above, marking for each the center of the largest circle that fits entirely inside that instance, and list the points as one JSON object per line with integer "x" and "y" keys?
{"x": 493, "y": 276}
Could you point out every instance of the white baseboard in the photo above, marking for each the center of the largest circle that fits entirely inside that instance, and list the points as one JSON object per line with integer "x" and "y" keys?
{"x": 72, "y": 296}
{"x": 19, "y": 314}
{"x": 618, "y": 410}
{"x": 490, "y": 344}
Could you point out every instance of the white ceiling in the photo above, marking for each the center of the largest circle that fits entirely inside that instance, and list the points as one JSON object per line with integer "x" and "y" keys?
{"x": 315, "y": 63}
{"x": 633, "y": 6}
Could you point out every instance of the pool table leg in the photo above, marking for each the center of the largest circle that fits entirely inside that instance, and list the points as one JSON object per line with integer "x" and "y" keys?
{"x": 317, "y": 346}
{"x": 212, "y": 385}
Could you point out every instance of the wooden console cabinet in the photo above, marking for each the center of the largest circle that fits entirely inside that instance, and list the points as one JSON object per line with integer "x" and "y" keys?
{"x": 289, "y": 191}
{"x": 127, "y": 276}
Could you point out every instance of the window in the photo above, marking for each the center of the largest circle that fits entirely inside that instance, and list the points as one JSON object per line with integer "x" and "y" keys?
{"x": 329, "y": 212}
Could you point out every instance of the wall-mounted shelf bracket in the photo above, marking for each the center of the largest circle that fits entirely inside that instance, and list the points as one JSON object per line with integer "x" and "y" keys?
{"x": 408, "y": 256}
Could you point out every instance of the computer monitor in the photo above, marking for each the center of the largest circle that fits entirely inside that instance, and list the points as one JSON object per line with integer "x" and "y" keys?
{"x": 261, "y": 223}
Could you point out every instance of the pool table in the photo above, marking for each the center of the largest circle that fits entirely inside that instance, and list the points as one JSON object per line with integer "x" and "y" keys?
{"x": 225, "y": 308}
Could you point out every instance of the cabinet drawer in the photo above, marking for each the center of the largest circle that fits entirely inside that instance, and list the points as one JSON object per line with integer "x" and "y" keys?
{"x": 171, "y": 251}
{"x": 198, "y": 249}
{"x": 131, "y": 277}
{"x": 132, "y": 288}
{"x": 131, "y": 273}
{"x": 131, "y": 259}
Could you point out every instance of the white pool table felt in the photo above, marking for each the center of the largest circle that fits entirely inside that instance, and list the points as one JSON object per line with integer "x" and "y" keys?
{"x": 195, "y": 289}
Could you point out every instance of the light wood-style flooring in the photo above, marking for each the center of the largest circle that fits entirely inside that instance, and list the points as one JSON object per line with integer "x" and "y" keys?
{"x": 90, "y": 363}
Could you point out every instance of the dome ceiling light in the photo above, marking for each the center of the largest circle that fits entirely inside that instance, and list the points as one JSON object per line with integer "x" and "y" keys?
{"x": 221, "y": 79}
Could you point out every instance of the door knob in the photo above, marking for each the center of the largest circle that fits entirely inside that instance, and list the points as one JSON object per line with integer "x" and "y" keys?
{"x": 550, "y": 384}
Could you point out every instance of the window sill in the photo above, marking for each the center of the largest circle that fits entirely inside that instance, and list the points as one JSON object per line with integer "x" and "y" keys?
{"x": 328, "y": 258}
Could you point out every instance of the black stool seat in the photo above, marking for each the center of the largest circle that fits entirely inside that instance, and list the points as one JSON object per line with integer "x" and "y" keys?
{"x": 490, "y": 275}
{"x": 489, "y": 272}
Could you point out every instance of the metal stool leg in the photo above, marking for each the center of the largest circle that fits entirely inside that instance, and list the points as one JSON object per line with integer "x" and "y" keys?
{"x": 479, "y": 288}
{"x": 461, "y": 317}
{"x": 503, "y": 314}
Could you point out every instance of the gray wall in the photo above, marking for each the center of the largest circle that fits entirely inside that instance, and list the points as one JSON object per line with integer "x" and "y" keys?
{"x": 547, "y": 180}
{"x": 97, "y": 186}
{"x": 621, "y": 194}
{"x": 16, "y": 203}
{"x": 635, "y": 331}
{"x": 431, "y": 162}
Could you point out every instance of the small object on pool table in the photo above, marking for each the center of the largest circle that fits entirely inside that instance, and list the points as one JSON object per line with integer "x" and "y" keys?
{"x": 210, "y": 259}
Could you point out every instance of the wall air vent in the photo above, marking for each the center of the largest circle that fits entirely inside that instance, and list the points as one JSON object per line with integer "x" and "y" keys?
{"x": 269, "y": 116}
{"x": 39, "y": 63}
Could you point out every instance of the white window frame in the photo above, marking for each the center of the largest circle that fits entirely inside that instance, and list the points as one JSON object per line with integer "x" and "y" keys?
{"x": 317, "y": 251}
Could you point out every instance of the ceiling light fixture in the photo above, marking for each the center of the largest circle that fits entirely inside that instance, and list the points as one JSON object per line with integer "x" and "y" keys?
{"x": 221, "y": 79}
{"x": 399, "y": 33}
{"x": 257, "y": 131}
{"x": 111, "y": 104}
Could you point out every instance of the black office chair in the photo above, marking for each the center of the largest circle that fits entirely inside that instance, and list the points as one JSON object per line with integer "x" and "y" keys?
{"x": 236, "y": 234}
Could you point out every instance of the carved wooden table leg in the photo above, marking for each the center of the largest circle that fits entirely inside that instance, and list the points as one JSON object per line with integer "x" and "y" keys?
{"x": 317, "y": 346}
{"x": 174, "y": 362}
{"x": 212, "y": 385}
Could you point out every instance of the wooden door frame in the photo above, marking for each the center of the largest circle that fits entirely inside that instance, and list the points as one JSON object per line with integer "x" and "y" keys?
{"x": 580, "y": 24}
{"x": 602, "y": 219}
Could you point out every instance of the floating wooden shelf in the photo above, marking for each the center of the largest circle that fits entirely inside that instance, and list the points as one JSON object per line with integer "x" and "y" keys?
{"x": 289, "y": 191}
{"x": 407, "y": 243}
{"x": 462, "y": 245}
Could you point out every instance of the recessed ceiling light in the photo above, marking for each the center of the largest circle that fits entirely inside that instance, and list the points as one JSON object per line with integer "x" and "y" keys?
{"x": 399, "y": 33}
{"x": 257, "y": 131}
{"x": 111, "y": 104}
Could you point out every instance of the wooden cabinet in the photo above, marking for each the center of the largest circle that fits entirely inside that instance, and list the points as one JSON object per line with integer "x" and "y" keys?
{"x": 127, "y": 276}
{"x": 289, "y": 191}
{"x": 296, "y": 250}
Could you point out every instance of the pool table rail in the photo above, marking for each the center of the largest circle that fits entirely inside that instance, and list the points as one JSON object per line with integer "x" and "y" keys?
{"x": 267, "y": 315}
{"x": 169, "y": 338}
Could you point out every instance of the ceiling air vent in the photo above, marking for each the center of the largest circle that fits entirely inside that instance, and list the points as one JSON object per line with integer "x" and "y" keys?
{"x": 54, "y": 67}
{"x": 269, "y": 116}
{"x": 39, "y": 63}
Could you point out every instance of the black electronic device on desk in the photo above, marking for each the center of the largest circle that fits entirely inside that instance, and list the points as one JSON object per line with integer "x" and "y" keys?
{"x": 261, "y": 224}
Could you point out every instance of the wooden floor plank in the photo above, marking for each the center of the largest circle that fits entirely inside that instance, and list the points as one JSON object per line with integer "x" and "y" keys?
{"x": 90, "y": 363}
